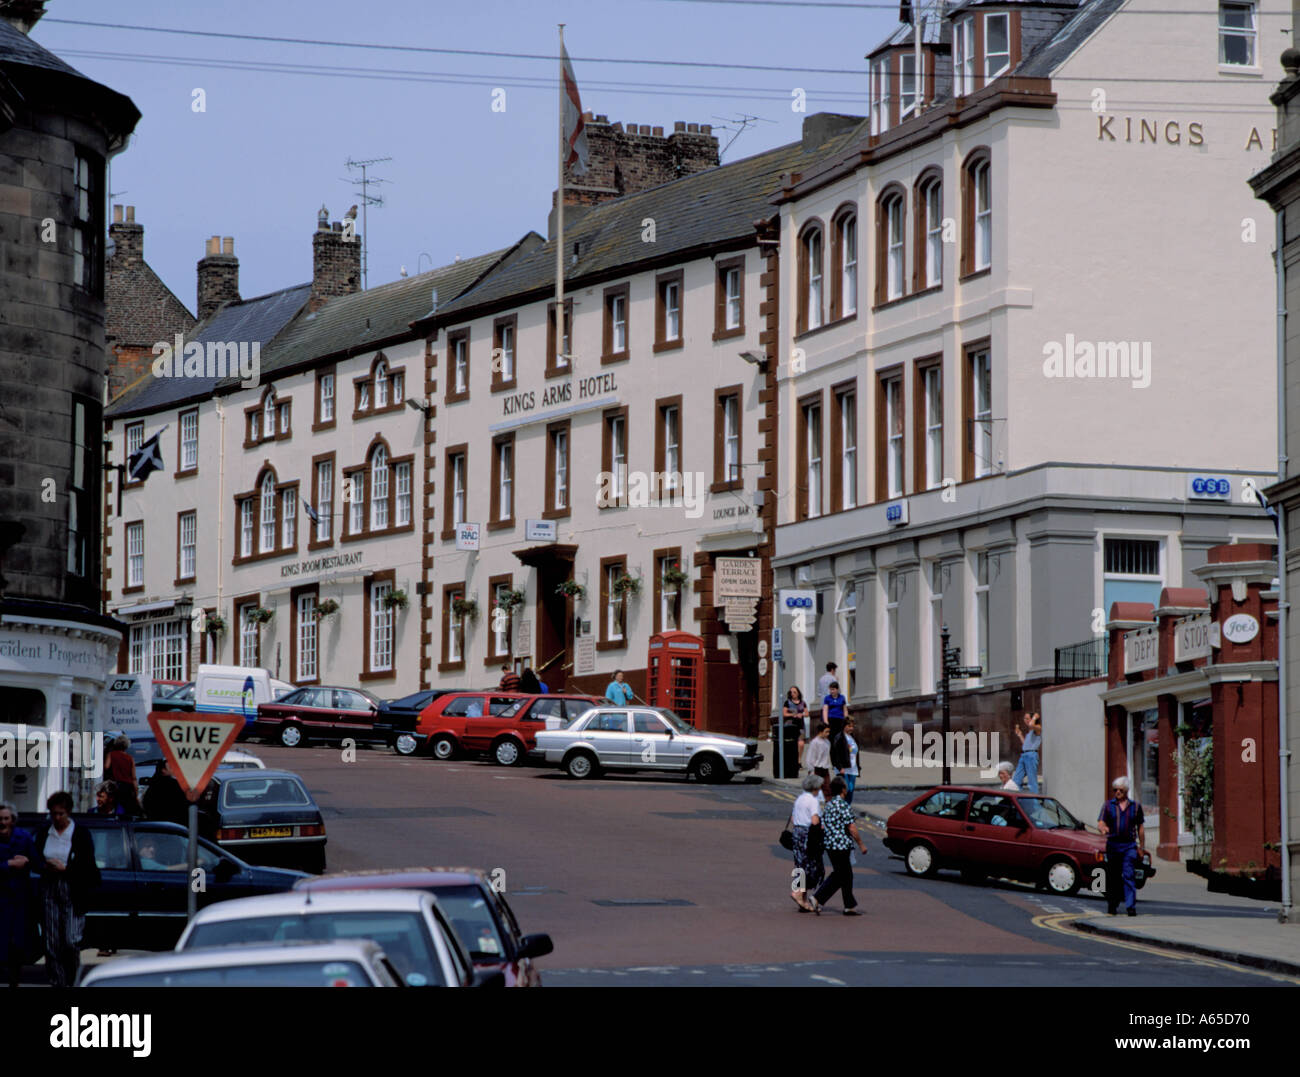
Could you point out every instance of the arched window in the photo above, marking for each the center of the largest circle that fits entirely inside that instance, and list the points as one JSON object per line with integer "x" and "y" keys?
{"x": 928, "y": 259}
{"x": 891, "y": 225}
{"x": 381, "y": 384}
{"x": 379, "y": 488}
{"x": 268, "y": 414}
{"x": 267, "y": 543}
{"x": 977, "y": 213}
{"x": 844, "y": 289}
{"x": 810, "y": 278}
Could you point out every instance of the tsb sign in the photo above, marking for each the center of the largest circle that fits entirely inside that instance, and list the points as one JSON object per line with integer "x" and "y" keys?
{"x": 1209, "y": 487}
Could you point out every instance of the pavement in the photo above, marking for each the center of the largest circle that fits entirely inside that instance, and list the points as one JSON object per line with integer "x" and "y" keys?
{"x": 1241, "y": 931}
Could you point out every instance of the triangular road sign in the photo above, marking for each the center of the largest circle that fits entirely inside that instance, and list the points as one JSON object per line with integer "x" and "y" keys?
{"x": 194, "y": 744}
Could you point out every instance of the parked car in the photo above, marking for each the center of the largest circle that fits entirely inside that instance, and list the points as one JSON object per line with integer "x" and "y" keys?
{"x": 234, "y": 759}
{"x": 408, "y": 925}
{"x": 166, "y": 689}
{"x": 502, "y": 725}
{"x": 644, "y": 738}
{"x": 140, "y": 902}
{"x": 265, "y": 816}
{"x": 397, "y": 718}
{"x": 226, "y": 690}
{"x": 341, "y": 963}
{"x": 480, "y": 915}
{"x": 320, "y": 713}
{"x": 993, "y": 832}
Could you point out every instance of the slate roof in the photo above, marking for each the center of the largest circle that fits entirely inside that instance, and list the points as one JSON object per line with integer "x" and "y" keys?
{"x": 1082, "y": 25}
{"x": 934, "y": 30}
{"x": 362, "y": 321}
{"x": 17, "y": 48}
{"x": 695, "y": 213}
{"x": 250, "y": 320}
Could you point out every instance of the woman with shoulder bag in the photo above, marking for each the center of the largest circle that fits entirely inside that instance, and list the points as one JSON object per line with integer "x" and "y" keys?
{"x": 805, "y": 825}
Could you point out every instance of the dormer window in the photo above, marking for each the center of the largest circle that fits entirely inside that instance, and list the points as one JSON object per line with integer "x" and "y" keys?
{"x": 907, "y": 89}
{"x": 880, "y": 95}
{"x": 997, "y": 45}
{"x": 963, "y": 57}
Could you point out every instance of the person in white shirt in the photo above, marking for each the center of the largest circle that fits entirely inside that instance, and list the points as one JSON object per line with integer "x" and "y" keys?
{"x": 824, "y": 682}
{"x": 817, "y": 756}
{"x": 1004, "y": 776}
{"x": 805, "y": 819}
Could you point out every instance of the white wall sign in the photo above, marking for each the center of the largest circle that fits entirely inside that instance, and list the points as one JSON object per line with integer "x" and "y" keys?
{"x": 541, "y": 530}
{"x": 467, "y": 537}
{"x": 1240, "y": 628}
{"x": 524, "y": 639}
{"x": 584, "y": 655}
{"x": 1192, "y": 637}
{"x": 1140, "y": 649}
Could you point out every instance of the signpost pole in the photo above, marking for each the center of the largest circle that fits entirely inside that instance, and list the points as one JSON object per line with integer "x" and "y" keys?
{"x": 780, "y": 716}
{"x": 947, "y": 769}
{"x": 192, "y": 859}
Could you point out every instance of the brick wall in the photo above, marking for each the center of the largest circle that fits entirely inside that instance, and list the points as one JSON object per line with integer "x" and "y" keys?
{"x": 335, "y": 262}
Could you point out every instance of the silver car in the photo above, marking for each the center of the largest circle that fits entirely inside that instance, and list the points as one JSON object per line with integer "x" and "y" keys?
{"x": 339, "y": 963}
{"x": 643, "y": 738}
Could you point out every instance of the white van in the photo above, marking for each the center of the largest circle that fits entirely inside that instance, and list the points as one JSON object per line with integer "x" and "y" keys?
{"x": 236, "y": 690}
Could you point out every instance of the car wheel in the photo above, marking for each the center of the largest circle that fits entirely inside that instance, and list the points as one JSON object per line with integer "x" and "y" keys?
{"x": 580, "y": 765}
{"x": 507, "y": 752}
{"x": 291, "y": 736}
{"x": 709, "y": 768}
{"x": 920, "y": 859}
{"x": 1062, "y": 877}
{"x": 443, "y": 747}
{"x": 405, "y": 743}
{"x": 973, "y": 877}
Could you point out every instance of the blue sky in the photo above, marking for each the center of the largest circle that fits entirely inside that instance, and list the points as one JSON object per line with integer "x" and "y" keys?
{"x": 270, "y": 147}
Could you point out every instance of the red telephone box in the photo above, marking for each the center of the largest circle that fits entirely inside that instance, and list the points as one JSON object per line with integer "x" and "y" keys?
{"x": 674, "y": 673}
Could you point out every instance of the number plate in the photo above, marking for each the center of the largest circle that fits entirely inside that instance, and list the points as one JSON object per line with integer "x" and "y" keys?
{"x": 271, "y": 832}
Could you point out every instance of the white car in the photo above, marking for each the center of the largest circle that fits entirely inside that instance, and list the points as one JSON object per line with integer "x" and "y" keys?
{"x": 407, "y": 925}
{"x": 342, "y": 963}
{"x": 644, "y": 738}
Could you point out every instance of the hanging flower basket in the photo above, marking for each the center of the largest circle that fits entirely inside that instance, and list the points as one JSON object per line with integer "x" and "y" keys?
{"x": 260, "y": 615}
{"x": 214, "y": 624}
{"x": 396, "y": 600}
{"x": 675, "y": 577}
{"x": 626, "y": 585}
{"x": 328, "y": 607}
{"x": 465, "y": 607}
{"x": 572, "y": 589}
{"x": 510, "y": 600}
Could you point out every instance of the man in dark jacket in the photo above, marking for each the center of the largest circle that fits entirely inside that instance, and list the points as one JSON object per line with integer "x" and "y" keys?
{"x": 165, "y": 800}
{"x": 840, "y": 749}
{"x": 65, "y": 859}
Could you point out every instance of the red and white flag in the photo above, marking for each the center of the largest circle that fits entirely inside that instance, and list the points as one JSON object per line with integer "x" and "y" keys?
{"x": 575, "y": 127}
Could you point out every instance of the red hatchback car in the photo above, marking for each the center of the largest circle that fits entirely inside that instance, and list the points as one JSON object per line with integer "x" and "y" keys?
{"x": 472, "y": 905}
{"x": 986, "y": 832}
{"x": 503, "y": 724}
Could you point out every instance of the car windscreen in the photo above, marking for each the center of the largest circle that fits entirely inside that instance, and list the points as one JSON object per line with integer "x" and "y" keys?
{"x": 680, "y": 725}
{"x": 470, "y": 914}
{"x": 1048, "y": 814}
{"x": 402, "y": 936}
{"x": 278, "y": 974}
{"x": 261, "y": 792}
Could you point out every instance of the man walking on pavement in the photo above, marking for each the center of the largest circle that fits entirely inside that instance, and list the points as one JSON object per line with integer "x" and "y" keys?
{"x": 1121, "y": 820}
{"x": 1028, "y": 763}
{"x": 825, "y": 680}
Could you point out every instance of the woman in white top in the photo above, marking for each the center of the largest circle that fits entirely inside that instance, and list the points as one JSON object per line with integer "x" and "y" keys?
{"x": 805, "y": 822}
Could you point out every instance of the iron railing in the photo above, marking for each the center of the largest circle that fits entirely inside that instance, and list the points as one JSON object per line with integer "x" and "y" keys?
{"x": 1082, "y": 661}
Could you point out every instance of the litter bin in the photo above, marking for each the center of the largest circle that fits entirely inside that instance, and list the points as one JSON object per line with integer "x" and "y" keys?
{"x": 789, "y": 749}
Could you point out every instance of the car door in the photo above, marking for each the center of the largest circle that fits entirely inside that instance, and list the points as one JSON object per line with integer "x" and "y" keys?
{"x": 309, "y": 707}
{"x": 112, "y": 918}
{"x": 353, "y": 715}
{"x": 482, "y": 729}
{"x": 611, "y": 735}
{"x": 163, "y": 874}
{"x": 940, "y": 819}
{"x": 654, "y": 746}
{"x": 995, "y": 834}
{"x": 533, "y": 721}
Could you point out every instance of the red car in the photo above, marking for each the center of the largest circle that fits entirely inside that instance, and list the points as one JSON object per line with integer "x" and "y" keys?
{"x": 320, "y": 713}
{"x": 472, "y": 905}
{"x": 503, "y": 724}
{"x": 993, "y": 832}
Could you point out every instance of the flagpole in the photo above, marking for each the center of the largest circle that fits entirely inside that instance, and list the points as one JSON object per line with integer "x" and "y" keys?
{"x": 559, "y": 219}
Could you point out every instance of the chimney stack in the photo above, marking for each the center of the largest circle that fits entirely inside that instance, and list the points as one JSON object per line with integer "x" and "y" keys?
{"x": 218, "y": 276}
{"x": 127, "y": 237}
{"x": 22, "y": 15}
{"x": 335, "y": 261}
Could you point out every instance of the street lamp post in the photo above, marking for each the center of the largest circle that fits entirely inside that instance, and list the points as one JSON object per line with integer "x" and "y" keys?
{"x": 951, "y": 668}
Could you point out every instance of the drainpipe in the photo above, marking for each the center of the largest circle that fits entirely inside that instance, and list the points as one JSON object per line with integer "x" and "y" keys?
{"x": 1284, "y": 754}
{"x": 221, "y": 517}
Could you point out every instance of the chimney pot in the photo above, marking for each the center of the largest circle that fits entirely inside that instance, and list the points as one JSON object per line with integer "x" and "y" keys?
{"x": 658, "y": 132}
{"x": 117, "y": 214}
{"x": 692, "y": 128}
{"x": 679, "y": 125}
{"x": 228, "y": 245}
{"x": 130, "y": 214}
{"x": 210, "y": 247}
{"x": 706, "y": 128}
